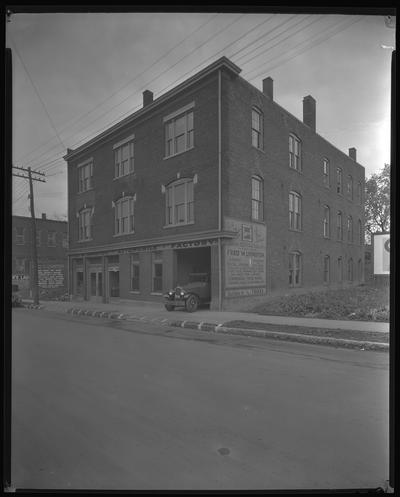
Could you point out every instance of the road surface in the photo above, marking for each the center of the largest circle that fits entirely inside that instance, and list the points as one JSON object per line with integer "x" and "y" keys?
{"x": 111, "y": 405}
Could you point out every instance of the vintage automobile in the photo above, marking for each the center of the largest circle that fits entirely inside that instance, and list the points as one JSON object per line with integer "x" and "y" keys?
{"x": 16, "y": 297}
{"x": 197, "y": 291}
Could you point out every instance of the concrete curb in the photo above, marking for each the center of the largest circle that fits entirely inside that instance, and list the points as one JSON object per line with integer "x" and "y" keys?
{"x": 281, "y": 335}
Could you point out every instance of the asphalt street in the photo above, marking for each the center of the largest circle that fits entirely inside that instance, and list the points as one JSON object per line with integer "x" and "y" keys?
{"x": 100, "y": 404}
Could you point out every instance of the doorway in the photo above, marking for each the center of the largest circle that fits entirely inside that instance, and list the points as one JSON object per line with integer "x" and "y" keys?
{"x": 113, "y": 283}
{"x": 95, "y": 285}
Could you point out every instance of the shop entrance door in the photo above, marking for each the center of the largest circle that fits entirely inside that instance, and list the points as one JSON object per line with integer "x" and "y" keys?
{"x": 96, "y": 285}
{"x": 113, "y": 283}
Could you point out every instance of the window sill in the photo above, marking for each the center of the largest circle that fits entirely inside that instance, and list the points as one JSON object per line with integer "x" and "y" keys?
{"x": 85, "y": 240}
{"x": 134, "y": 292}
{"x": 124, "y": 234}
{"x": 177, "y": 225}
{"x": 295, "y": 230}
{"x": 300, "y": 171}
{"x": 85, "y": 191}
{"x": 258, "y": 221}
{"x": 258, "y": 148}
{"x": 178, "y": 153}
{"x": 133, "y": 173}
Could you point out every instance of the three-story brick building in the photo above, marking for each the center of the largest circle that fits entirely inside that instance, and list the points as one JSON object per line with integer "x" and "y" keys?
{"x": 213, "y": 176}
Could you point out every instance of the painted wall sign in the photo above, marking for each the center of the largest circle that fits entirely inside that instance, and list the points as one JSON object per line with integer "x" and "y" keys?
{"x": 176, "y": 245}
{"x": 381, "y": 254}
{"x": 51, "y": 275}
{"x": 245, "y": 258}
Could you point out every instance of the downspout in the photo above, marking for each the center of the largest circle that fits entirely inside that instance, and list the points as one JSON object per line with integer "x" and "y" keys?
{"x": 219, "y": 194}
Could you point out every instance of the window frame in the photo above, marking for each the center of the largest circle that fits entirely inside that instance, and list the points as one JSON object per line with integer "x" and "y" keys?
{"x": 134, "y": 263}
{"x": 51, "y": 238}
{"x": 326, "y": 169}
{"x": 81, "y": 168}
{"x": 293, "y": 214}
{"x": 327, "y": 222}
{"x": 38, "y": 238}
{"x": 187, "y": 113}
{"x": 118, "y": 150}
{"x": 340, "y": 269}
{"x": 339, "y": 226}
{"x": 350, "y": 234}
{"x": 294, "y": 164}
{"x": 257, "y": 204}
{"x": 295, "y": 256}
{"x": 171, "y": 205}
{"x": 257, "y": 135}
{"x": 360, "y": 233}
{"x": 327, "y": 270}
{"x": 156, "y": 260}
{"x": 350, "y": 270}
{"x": 19, "y": 238}
{"x": 85, "y": 228}
{"x": 118, "y": 216}
{"x": 350, "y": 184}
{"x": 339, "y": 181}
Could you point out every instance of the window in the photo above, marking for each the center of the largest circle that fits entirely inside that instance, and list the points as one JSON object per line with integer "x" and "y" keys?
{"x": 350, "y": 187}
{"x": 327, "y": 264}
{"x": 257, "y": 131}
{"x": 359, "y": 192}
{"x": 340, "y": 269}
{"x": 84, "y": 224}
{"x": 51, "y": 238}
{"x": 38, "y": 238}
{"x": 157, "y": 272}
{"x": 294, "y": 153}
{"x": 124, "y": 216}
{"x": 350, "y": 270}
{"x": 294, "y": 211}
{"x": 135, "y": 272}
{"x": 339, "y": 226}
{"x": 326, "y": 172}
{"x": 360, "y": 233}
{"x": 179, "y": 133}
{"x": 85, "y": 177}
{"x": 123, "y": 158}
{"x": 327, "y": 222}
{"x": 65, "y": 240}
{"x": 20, "y": 265}
{"x": 257, "y": 198}
{"x": 179, "y": 203}
{"x": 350, "y": 229}
{"x": 295, "y": 269}
{"x": 19, "y": 235}
{"x": 360, "y": 270}
{"x": 339, "y": 180}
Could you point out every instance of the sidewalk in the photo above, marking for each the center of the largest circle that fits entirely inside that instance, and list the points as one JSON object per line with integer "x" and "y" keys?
{"x": 310, "y": 330}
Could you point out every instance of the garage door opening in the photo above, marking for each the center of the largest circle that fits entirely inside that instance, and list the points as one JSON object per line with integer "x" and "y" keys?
{"x": 193, "y": 262}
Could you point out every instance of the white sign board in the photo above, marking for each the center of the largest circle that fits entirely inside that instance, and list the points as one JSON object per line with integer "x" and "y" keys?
{"x": 381, "y": 254}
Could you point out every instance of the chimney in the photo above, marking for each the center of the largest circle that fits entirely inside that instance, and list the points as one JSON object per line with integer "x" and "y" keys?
{"x": 147, "y": 97}
{"x": 43, "y": 215}
{"x": 268, "y": 87}
{"x": 353, "y": 154}
{"x": 309, "y": 117}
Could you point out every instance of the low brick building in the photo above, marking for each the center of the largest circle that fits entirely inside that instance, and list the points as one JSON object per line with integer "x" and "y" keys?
{"x": 52, "y": 245}
{"x": 214, "y": 176}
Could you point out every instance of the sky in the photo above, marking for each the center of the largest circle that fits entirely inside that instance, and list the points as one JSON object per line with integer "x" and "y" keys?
{"x": 75, "y": 74}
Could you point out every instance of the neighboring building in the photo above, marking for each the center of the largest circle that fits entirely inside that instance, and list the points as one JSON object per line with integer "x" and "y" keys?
{"x": 52, "y": 245}
{"x": 214, "y": 176}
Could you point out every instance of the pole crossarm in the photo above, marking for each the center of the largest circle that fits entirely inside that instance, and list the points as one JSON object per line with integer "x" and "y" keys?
{"x": 29, "y": 171}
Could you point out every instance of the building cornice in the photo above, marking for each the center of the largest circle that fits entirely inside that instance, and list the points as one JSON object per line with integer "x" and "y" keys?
{"x": 222, "y": 62}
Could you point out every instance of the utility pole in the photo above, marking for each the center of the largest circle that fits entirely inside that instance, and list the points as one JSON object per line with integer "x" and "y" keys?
{"x": 35, "y": 273}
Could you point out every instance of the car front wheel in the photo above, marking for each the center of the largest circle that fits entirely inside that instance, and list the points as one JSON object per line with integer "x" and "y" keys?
{"x": 192, "y": 303}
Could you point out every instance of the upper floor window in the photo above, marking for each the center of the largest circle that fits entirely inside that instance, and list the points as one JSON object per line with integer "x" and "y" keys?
{"x": 294, "y": 211}
{"x": 339, "y": 180}
{"x": 360, "y": 233}
{"x": 179, "y": 202}
{"x": 124, "y": 216}
{"x": 257, "y": 130}
{"x": 20, "y": 265}
{"x": 135, "y": 272}
{"x": 294, "y": 153}
{"x": 350, "y": 187}
{"x": 179, "y": 131}
{"x": 51, "y": 238}
{"x": 256, "y": 198}
{"x": 38, "y": 238}
{"x": 124, "y": 157}
{"x": 339, "y": 226}
{"x": 350, "y": 270}
{"x": 327, "y": 222}
{"x": 20, "y": 235}
{"x": 85, "y": 177}
{"x": 295, "y": 269}
{"x": 340, "y": 269}
{"x": 65, "y": 240}
{"x": 350, "y": 229}
{"x": 326, "y": 172}
{"x": 359, "y": 192}
{"x": 85, "y": 224}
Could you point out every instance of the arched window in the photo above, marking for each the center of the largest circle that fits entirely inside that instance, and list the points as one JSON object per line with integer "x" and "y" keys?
{"x": 294, "y": 152}
{"x": 124, "y": 216}
{"x": 295, "y": 220}
{"x": 339, "y": 180}
{"x": 327, "y": 221}
{"x": 340, "y": 269}
{"x": 350, "y": 229}
{"x": 350, "y": 187}
{"x": 179, "y": 199}
{"x": 327, "y": 269}
{"x": 295, "y": 263}
{"x": 339, "y": 227}
{"x": 360, "y": 233}
{"x": 257, "y": 198}
{"x": 350, "y": 270}
{"x": 257, "y": 128}
{"x": 360, "y": 270}
{"x": 326, "y": 172}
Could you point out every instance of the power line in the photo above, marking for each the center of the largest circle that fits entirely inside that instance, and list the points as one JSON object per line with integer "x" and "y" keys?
{"x": 75, "y": 120}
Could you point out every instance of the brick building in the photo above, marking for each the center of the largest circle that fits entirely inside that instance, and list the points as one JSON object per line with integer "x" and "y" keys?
{"x": 214, "y": 176}
{"x": 52, "y": 245}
